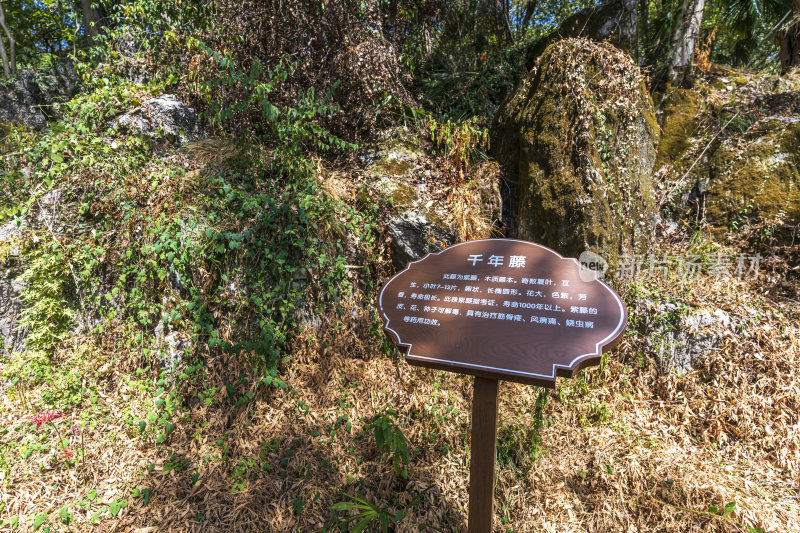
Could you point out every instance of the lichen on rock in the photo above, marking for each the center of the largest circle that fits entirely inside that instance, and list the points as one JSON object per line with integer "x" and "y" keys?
{"x": 579, "y": 138}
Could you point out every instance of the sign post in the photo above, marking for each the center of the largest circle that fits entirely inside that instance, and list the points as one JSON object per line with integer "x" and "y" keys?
{"x": 499, "y": 309}
{"x": 482, "y": 455}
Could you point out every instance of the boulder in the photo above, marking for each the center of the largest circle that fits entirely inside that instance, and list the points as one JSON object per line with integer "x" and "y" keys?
{"x": 417, "y": 221}
{"x": 428, "y": 210}
{"x": 165, "y": 119}
{"x": 34, "y": 97}
{"x": 755, "y": 178}
{"x": 577, "y": 143}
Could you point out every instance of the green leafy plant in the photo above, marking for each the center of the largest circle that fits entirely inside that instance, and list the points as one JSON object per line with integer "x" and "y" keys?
{"x": 46, "y": 313}
{"x": 368, "y": 514}
{"x": 390, "y": 440}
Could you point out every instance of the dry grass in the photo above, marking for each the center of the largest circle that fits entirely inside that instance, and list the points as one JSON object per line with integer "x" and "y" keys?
{"x": 471, "y": 218}
{"x": 625, "y": 448}
{"x": 628, "y": 448}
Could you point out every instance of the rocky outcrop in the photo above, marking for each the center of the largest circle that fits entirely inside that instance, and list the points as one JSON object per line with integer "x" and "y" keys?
{"x": 165, "y": 119}
{"x": 428, "y": 211}
{"x": 577, "y": 142}
{"x": 11, "y": 286}
{"x": 34, "y": 97}
{"x": 416, "y": 225}
{"x": 755, "y": 178}
{"x": 414, "y": 236}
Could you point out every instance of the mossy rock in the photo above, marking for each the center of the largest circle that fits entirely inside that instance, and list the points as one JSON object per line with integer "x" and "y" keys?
{"x": 398, "y": 155}
{"x": 579, "y": 138}
{"x": 760, "y": 182}
{"x": 679, "y": 122}
{"x": 392, "y": 167}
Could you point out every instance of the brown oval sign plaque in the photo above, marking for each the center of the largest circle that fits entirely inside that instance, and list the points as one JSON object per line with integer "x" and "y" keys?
{"x": 502, "y": 309}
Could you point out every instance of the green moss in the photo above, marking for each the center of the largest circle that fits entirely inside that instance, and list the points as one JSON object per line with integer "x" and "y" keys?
{"x": 392, "y": 167}
{"x": 717, "y": 84}
{"x": 398, "y": 154}
{"x": 436, "y": 220}
{"x": 403, "y": 196}
{"x": 6, "y": 251}
{"x": 760, "y": 182}
{"x": 679, "y": 122}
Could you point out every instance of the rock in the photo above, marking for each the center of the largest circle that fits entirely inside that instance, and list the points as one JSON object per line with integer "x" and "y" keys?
{"x": 11, "y": 286}
{"x": 395, "y": 157}
{"x": 165, "y": 119}
{"x": 577, "y": 144}
{"x": 170, "y": 346}
{"x": 679, "y": 344}
{"x": 414, "y": 236}
{"x": 614, "y": 21}
{"x": 417, "y": 225}
{"x": 755, "y": 178}
{"x": 426, "y": 215}
{"x": 34, "y": 97}
{"x": 44, "y": 215}
{"x": 788, "y": 82}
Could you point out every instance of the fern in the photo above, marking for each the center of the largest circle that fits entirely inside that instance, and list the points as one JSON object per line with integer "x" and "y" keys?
{"x": 46, "y": 315}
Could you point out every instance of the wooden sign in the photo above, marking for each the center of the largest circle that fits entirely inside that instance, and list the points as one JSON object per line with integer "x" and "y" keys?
{"x": 499, "y": 309}
{"x": 502, "y": 309}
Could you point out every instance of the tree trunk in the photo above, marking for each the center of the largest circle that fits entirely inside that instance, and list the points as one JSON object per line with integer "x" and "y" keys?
{"x": 643, "y": 30}
{"x": 789, "y": 38}
{"x": 530, "y": 8}
{"x": 684, "y": 39}
{"x": 9, "y": 63}
{"x": 6, "y": 70}
{"x": 93, "y": 18}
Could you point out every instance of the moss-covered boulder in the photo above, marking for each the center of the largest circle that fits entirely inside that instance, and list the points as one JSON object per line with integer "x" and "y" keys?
{"x": 578, "y": 138}
{"x": 756, "y": 179}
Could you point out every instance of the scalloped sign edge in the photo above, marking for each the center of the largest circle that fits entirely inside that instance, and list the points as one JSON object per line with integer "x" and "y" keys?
{"x": 559, "y": 370}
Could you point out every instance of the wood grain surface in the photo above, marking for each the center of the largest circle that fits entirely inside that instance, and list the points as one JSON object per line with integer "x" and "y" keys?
{"x": 482, "y": 455}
